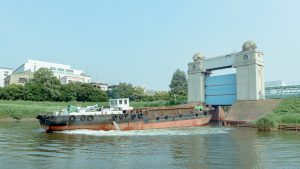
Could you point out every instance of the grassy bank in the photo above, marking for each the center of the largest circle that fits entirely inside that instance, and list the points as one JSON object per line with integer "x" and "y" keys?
{"x": 29, "y": 109}
{"x": 287, "y": 112}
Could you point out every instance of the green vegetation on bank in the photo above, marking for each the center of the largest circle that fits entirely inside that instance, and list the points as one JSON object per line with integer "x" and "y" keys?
{"x": 46, "y": 87}
{"x": 287, "y": 112}
{"x": 29, "y": 109}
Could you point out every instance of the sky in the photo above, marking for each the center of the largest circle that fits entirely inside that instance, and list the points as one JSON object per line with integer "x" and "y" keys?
{"x": 144, "y": 42}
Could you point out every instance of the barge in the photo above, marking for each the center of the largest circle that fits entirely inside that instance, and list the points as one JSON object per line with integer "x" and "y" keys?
{"x": 120, "y": 116}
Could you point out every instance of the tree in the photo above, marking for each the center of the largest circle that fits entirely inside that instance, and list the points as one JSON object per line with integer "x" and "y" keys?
{"x": 12, "y": 92}
{"x": 161, "y": 96}
{"x": 68, "y": 92}
{"x": 33, "y": 91}
{"x": 138, "y": 94}
{"x": 44, "y": 86}
{"x": 123, "y": 90}
{"x": 86, "y": 92}
{"x": 126, "y": 90}
{"x": 98, "y": 95}
{"x": 179, "y": 86}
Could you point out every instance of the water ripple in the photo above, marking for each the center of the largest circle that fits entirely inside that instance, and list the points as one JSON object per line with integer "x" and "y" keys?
{"x": 191, "y": 131}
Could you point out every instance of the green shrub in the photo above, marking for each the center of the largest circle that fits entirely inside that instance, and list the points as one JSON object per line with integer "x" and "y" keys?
{"x": 266, "y": 123}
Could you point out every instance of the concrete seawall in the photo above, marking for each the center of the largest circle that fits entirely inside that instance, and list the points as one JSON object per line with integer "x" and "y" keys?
{"x": 246, "y": 111}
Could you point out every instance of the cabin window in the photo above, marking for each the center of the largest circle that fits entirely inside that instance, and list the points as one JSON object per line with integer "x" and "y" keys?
{"x": 120, "y": 102}
{"x": 125, "y": 101}
{"x": 113, "y": 103}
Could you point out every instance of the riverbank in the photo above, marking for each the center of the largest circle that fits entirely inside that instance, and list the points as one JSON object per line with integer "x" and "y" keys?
{"x": 286, "y": 113}
{"x": 29, "y": 109}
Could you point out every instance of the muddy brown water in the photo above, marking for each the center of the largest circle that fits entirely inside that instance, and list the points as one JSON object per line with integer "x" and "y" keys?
{"x": 25, "y": 145}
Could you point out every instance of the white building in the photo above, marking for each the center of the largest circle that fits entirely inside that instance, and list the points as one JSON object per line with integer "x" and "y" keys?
{"x": 277, "y": 83}
{"x": 4, "y": 72}
{"x": 63, "y": 72}
{"x": 100, "y": 85}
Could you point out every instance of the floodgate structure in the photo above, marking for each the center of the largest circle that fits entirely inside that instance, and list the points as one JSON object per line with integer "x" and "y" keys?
{"x": 245, "y": 88}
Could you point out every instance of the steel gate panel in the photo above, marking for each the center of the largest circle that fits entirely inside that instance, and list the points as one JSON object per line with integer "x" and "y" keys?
{"x": 220, "y": 90}
{"x": 221, "y": 100}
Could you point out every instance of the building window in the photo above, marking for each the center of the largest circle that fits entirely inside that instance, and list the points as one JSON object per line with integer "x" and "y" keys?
{"x": 120, "y": 101}
{"x": 59, "y": 69}
{"x": 6, "y": 82}
{"x": 125, "y": 101}
{"x": 23, "y": 80}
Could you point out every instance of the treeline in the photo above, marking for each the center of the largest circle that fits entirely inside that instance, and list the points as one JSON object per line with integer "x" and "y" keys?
{"x": 125, "y": 90}
{"x": 177, "y": 94}
{"x": 46, "y": 87}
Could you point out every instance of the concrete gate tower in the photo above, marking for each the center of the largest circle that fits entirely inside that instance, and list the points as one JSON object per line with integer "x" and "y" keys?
{"x": 250, "y": 73}
{"x": 196, "y": 79}
{"x": 246, "y": 84}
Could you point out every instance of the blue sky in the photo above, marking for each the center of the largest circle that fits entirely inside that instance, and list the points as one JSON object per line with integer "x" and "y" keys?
{"x": 144, "y": 42}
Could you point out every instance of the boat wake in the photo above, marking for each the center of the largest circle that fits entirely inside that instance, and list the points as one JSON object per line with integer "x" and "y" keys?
{"x": 153, "y": 132}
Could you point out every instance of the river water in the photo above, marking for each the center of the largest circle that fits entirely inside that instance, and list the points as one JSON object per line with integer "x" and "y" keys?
{"x": 25, "y": 145}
